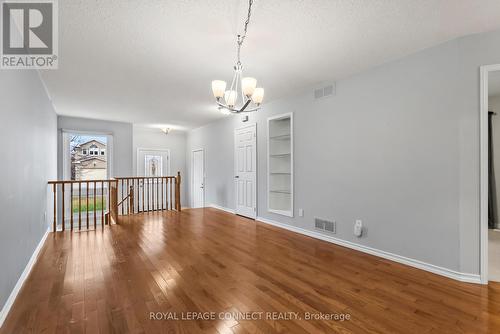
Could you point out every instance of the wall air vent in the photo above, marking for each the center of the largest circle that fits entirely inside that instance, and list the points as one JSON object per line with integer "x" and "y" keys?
{"x": 318, "y": 223}
{"x": 330, "y": 226}
{"x": 325, "y": 225}
{"x": 323, "y": 92}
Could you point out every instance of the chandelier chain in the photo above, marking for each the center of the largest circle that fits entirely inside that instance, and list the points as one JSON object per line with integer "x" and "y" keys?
{"x": 241, "y": 38}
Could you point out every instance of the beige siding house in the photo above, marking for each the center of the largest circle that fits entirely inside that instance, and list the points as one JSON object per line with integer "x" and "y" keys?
{"x": 89, "y": 161}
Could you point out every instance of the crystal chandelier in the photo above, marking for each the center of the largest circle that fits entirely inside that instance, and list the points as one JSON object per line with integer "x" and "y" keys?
{"x": 230, "y": 101}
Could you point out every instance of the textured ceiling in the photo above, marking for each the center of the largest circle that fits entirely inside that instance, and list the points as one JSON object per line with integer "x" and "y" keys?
{"x": 151, "y": 62}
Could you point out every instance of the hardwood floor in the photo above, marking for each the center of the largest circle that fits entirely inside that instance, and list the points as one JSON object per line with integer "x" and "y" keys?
{"x": 206, "y": 260}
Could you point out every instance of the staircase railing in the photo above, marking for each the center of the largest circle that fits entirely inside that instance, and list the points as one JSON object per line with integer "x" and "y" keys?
{"x": 88, "y": 204}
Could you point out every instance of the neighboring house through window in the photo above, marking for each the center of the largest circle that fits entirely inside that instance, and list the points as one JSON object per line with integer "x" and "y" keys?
{"x": 94, "y": 150}
{"x": 88, "y": 157}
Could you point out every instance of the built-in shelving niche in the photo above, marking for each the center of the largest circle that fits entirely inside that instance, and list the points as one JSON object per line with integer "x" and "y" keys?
{"x": 280, "y": 164}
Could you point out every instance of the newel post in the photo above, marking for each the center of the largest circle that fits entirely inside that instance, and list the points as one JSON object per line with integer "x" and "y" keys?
{"x": 178, "y": 191}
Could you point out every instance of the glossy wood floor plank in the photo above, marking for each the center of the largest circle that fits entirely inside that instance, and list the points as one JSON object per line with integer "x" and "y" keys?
{"x": 205, "y": 260}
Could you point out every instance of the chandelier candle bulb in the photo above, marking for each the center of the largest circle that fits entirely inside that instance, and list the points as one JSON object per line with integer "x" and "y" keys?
{"x": 231, "y": 96}
{"x": 218, "y": 88}
{"x": 248, "y": 86}
{"x": 258, "y": 96}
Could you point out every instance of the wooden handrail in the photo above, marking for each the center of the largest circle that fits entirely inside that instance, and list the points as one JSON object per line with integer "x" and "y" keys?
{"x": 137, "y": 194}
{"x": 143, "y": 177}
{"x": 79, "y": 181}
{"x": 123, "y": 200}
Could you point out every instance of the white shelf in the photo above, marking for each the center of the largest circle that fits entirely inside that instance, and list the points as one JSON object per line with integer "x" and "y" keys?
{"x": 281, "y": 191}
{"x": 280, "y": 164}
{"x": 281, "y": 137}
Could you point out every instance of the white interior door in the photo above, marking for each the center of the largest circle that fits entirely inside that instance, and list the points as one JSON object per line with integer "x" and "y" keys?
{"x": 198, "y": 179}
{"x": 245, "y": 174}
{"x": 152, "y": 163}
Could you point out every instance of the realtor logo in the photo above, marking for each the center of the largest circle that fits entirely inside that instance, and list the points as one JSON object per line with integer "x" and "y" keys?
{"x": 29, "y": 34}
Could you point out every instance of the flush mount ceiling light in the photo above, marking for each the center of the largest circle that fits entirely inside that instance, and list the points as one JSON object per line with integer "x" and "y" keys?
{"x": 230, "y": 101}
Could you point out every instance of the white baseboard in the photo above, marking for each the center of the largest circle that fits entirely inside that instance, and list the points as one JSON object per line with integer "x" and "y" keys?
{"x": 10, "y": 301}
{"x": 215, "y": 206}
{"x": 463, "y": 277}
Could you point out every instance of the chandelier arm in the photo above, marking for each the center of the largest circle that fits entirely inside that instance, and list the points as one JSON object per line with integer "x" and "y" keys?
{"x": 235, "y": 111}
{"x": 245, "y": 106}
{"x": 250, "y": 110}
{"x": 232, "y": 82}
{"x": 227, "y": 107}
{"x": 241, "y": 87}
{"x": 243, "y": 97}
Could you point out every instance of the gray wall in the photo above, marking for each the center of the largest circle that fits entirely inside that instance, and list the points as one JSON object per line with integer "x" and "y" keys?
{"x": 28, "y": 132}
{"x": 122, "y": 140}
{"x": 398, "y": 147}
{"x": 175, "y": 141}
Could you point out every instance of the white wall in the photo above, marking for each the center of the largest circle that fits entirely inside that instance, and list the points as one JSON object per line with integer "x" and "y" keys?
{"x": 175, "y": 141}
{"x": 122, "y": 140}
{"x": 397, "y": 147}
{"x": 28, "y": 131}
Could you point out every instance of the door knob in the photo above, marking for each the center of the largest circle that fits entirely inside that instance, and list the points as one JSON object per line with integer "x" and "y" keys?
{"x": 237, "y": 177}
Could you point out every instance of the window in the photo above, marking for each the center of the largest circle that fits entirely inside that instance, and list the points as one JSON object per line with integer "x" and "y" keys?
{"x": 94, "y": 150}
{"x": 79, "y": 159}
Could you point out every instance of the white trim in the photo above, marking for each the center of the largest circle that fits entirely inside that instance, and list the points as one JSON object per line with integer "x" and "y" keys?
{"x": 289, "y": 213}
{"x": 110, "y": 154}
{"x": 463, "y": 277}
{"x": 483, "y": 165}
{"x": 192, "y": 176}
{"x": 89, "y": 133}
{"x": 249, "y": 125}
{"x": 66, "y": 156}
{"x": 215, "y": 206}
{"x": 27, "y": 270}
{"x": 163, "y": 150}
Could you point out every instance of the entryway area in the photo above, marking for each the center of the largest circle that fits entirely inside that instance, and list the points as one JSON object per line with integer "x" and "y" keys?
{"x": 152, "y": 164}
{"x": 494, "y": 176}
{"x": 491, "y": 168}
